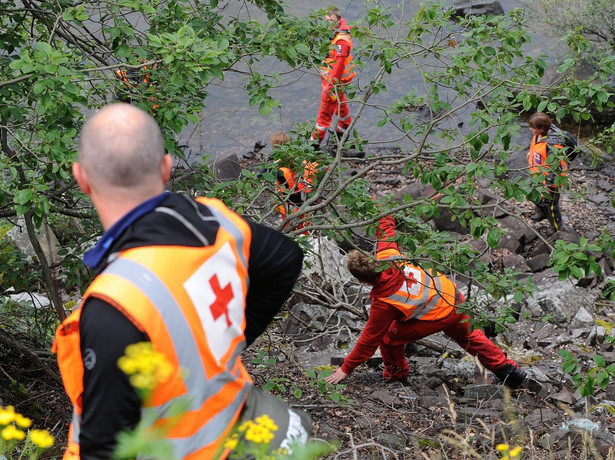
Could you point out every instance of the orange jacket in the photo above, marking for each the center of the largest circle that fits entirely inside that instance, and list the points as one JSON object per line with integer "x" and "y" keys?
{"x": 423, "y": 295}
{"x": 334, "y": 55}
{"x": 538, "y": 153}
{"x": 192, "y": 312}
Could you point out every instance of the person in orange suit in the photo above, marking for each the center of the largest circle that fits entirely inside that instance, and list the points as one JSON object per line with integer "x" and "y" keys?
{"x": 336, "y": 72}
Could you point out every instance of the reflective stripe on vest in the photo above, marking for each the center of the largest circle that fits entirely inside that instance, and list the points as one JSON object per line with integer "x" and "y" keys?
{"x": 424, "y": 296}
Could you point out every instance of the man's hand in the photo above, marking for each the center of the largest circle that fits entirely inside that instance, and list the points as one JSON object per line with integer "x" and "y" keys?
{"x": 337, "y": 376}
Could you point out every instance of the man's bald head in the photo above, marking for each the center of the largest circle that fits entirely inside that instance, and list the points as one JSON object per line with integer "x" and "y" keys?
{"x": 121, "y": 146}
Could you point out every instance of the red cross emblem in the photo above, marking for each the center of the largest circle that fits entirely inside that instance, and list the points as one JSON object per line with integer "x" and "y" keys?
{"x": 223, "y": 296}
{"x": 410, "y": 280}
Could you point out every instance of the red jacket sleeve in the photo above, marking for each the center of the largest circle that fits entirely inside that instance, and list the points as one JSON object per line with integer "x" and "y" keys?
{"x": 380, "y": 318}
{"x": 387, "y": 247}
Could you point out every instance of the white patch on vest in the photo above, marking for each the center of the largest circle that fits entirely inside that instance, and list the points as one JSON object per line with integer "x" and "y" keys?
{"x": 89, "y": 359}
{"x": 414, "y": 281}
{"x": 338, "y": 50}
{"x": 537, "y": 158}
{"x": 218, "y": 332}
{"x": 296, "y": 433}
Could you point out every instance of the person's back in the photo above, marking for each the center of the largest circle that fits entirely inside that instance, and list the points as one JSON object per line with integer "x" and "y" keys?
{"x": 173, "y": 271}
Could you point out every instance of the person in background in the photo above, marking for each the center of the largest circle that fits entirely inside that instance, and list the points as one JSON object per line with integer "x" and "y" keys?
{"x": 188, "y": 275}
{"x": 337, "y": 72}
{"x": 409, "y": 303}
{"x": 293, "y": 188}
{"x": 546, "y": 137}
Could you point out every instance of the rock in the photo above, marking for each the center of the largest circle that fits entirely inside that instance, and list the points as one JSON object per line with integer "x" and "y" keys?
{"x": 517, "y": 162}
{"x": 582, "y": 318}
{"x": 305, "y": 317}
{"x": 387, "y": 397}
{"x": 541, "y": 416}
{"x": 606, "y": 265}
{"x": 416, "y": 190}
{"x": 388, "y": 181}
{"x": 31, "y": 298}
{"x": 325, "y": 262}
{"x": 562, "y": 440}
{"x": 597, "y": 335}
{"x": 227, "y": 167}
{"x": 486, "y": 391}
{"x": 598, "y": 198}
{"x": 510, "y": 242}
{"x": 538, "y": 262}
{"x": 46, "y": 238}
{"x": 445, "y": 222}
{"x": 515, "y": 262}
{"x": 568, "y": 305}
{"x": 539, "y": 249}
{"x": 465, "y": 9}
{"x": 564, "y": 396}
{"x": 462, "y": 368}
{"x": 393, "y": 441}
{"x": 569, "y": 235}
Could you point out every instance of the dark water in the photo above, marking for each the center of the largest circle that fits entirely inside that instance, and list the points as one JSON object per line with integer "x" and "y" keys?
{"x": 230, "y": 125}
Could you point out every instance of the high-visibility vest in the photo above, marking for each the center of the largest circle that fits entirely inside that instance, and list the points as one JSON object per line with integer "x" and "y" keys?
{"x": 295, "y": 183}
{"x": 427, "y": 296}
{"x": 349, "y": 71}
{"x": 538, "y": 153}
{"x": 190, "y": 301}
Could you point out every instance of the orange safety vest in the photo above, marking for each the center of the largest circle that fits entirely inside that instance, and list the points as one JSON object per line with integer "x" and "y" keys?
{"x": 425, "y": 296}
{"x": 349, "y": 71}
{"x": 299, "y": 184}
{"x": 538, "y": 153}
{"x": 194, "y": 313}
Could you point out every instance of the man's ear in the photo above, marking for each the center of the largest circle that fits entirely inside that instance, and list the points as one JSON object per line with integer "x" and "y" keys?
{"x": 165, "y": 168}
{"x": 82, "y": 178}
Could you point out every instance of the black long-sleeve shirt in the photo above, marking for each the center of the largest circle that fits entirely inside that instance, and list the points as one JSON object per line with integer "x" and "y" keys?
{"x": 110, "y": 403}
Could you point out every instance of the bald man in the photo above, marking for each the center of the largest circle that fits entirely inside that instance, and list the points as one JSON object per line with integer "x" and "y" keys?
{"x": 188, "y": 275}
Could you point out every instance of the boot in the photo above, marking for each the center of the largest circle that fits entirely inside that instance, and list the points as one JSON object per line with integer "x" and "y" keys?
{"x": 538, "y": 217}
{"x": 511, "y": 375}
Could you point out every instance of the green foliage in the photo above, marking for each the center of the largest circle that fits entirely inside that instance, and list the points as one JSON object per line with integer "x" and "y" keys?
{"x": 599, "y": 374}
{"x": 589, "y": 19}
{"x": 575, "y": 260}
{"x": 329, "y": 390}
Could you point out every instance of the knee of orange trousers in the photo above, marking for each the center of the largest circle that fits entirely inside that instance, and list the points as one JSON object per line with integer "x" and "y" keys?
{"x": 326, "y": 111}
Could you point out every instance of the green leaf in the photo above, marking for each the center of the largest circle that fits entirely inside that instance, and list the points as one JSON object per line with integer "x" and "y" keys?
{"x": 45, "y": 48}
{"x": 493, "y": 237}
{"x": 599, "y": 360}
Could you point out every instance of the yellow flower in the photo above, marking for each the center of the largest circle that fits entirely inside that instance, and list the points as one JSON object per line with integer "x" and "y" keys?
{"x": 266, "y": 422}
{"x": 41, "y": 438}
{"x": 12, "y": 432}
{"x": 245, "y": 425}
{"x": 146, "y": 367}
{"x": 515, "y": 452}
{"x": 142, "y": 381}
{"x": 7, "y": 415}
{"x": 502, "y": 447}
{"x": 259, "y": 434}
{"x": 22, "y": 422}
{"x": 231, "y": 443}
